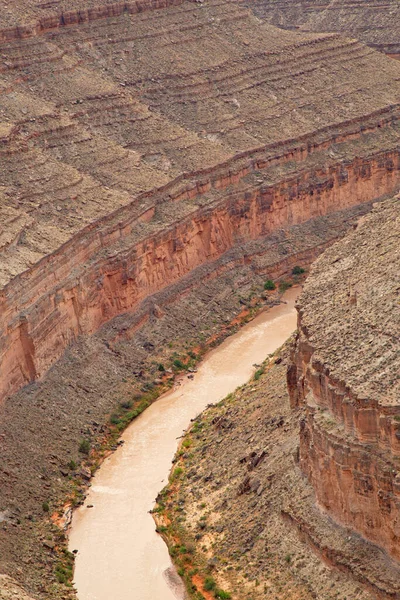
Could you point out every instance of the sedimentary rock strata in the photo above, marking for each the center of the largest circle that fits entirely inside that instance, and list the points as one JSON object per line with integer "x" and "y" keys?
{"x": 139, "y": 143}
{"x": 345, "y": 372}
{"x": 376, "y": 23}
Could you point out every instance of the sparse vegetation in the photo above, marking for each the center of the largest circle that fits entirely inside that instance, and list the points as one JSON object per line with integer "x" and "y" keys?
{"x": 297, "y": 270}
{"x": 269, "y": 285}
{"x": 176, "y": 473}
{"x": 84, "y": 447}
{"x": 178, "y": 364}
{"x": 284, "y": 286}
{"x": 209, "y": 584}
{"x": 114, "y": 419}
{"x": 258, "y": 374}
{"x": 126, "y": 404}
{"x": 222, "y": 594}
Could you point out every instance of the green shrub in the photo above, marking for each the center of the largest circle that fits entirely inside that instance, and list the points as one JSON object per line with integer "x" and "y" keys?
{"x": 284, "y": 285}
{"x": 162, "y": 529}
{"x": 114, "y": 419}
{"x": 72, "y": 465}
{"x": 222, "y": 595}
{"x": 126, "y": 404}
{"x": 178, "y": 364}
{"x": 209, "y": 584}
{"x": 161, "y": 368}
{"x": 269, "y": 285}
{"x": 176, "y": 473}
{"x": 258, "y": 374}
{"x": 63, "y": 573}
{"x": 84, "y": 447}
{"x": 45, "y": 507}
{"x": 298, "y": 270}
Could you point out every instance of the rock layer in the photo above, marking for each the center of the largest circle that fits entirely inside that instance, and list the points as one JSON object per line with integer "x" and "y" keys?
{"x": 345, "y": 372}
{"x": 113, "y": 266}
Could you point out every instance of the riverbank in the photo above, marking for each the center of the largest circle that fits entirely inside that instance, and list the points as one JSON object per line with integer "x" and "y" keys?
{"x": 115, "y": 376}
{"x": 239, "y": 518}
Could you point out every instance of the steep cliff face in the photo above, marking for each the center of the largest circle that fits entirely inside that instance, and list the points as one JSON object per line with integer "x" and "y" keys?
{"x": 110, "y": 268}
{"x": 345, "y": 372}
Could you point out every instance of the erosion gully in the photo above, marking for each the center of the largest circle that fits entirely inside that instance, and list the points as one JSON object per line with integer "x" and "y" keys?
{"x": 120, "y": 555}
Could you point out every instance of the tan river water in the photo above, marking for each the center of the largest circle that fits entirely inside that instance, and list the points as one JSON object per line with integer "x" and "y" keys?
{"x": 120, "y": 556}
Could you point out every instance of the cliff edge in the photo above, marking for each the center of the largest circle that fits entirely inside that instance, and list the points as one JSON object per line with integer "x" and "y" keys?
{"x": 345, "y": 372}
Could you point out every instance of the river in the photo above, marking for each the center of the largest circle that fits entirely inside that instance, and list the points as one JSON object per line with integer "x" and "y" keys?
{"x": 120, "y": 556}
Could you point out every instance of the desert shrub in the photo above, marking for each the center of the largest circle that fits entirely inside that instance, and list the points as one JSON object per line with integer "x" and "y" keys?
{"x": 176, "y": 473}
{"x": 84, "y": 446}
{"x": 114, "y": 419}
{"x": 298, "y": 270}
{"x": 269, "y": 285}
{"x": 258, "y": 374}
{"x": 209, "y": 584}
{"x": 222, "y": 594}
{"x": 126, "y": 404}
{"x": 178, "y": 364}
{"x": 284, "y": 285}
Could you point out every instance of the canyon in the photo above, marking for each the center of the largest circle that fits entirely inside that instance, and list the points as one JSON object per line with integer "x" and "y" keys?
{"x": 160, "y": 160}
{"x": 100, "y": 212}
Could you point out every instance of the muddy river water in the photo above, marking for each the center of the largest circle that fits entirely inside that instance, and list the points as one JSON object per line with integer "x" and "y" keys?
{"x": 120, "y": 556}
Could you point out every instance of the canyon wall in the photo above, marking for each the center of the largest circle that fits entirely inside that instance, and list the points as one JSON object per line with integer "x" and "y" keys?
{"x": 345, "y": 374}
{"x": 117, "y": 262}
{"x": 32, "y": 22}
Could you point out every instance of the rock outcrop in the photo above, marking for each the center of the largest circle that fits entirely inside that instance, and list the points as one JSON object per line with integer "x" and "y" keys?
{"x": 131, "y": 157}
{"x": 346, "y": 373}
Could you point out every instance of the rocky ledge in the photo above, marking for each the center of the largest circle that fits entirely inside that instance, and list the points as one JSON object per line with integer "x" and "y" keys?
{"x": 345, "y": 372}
